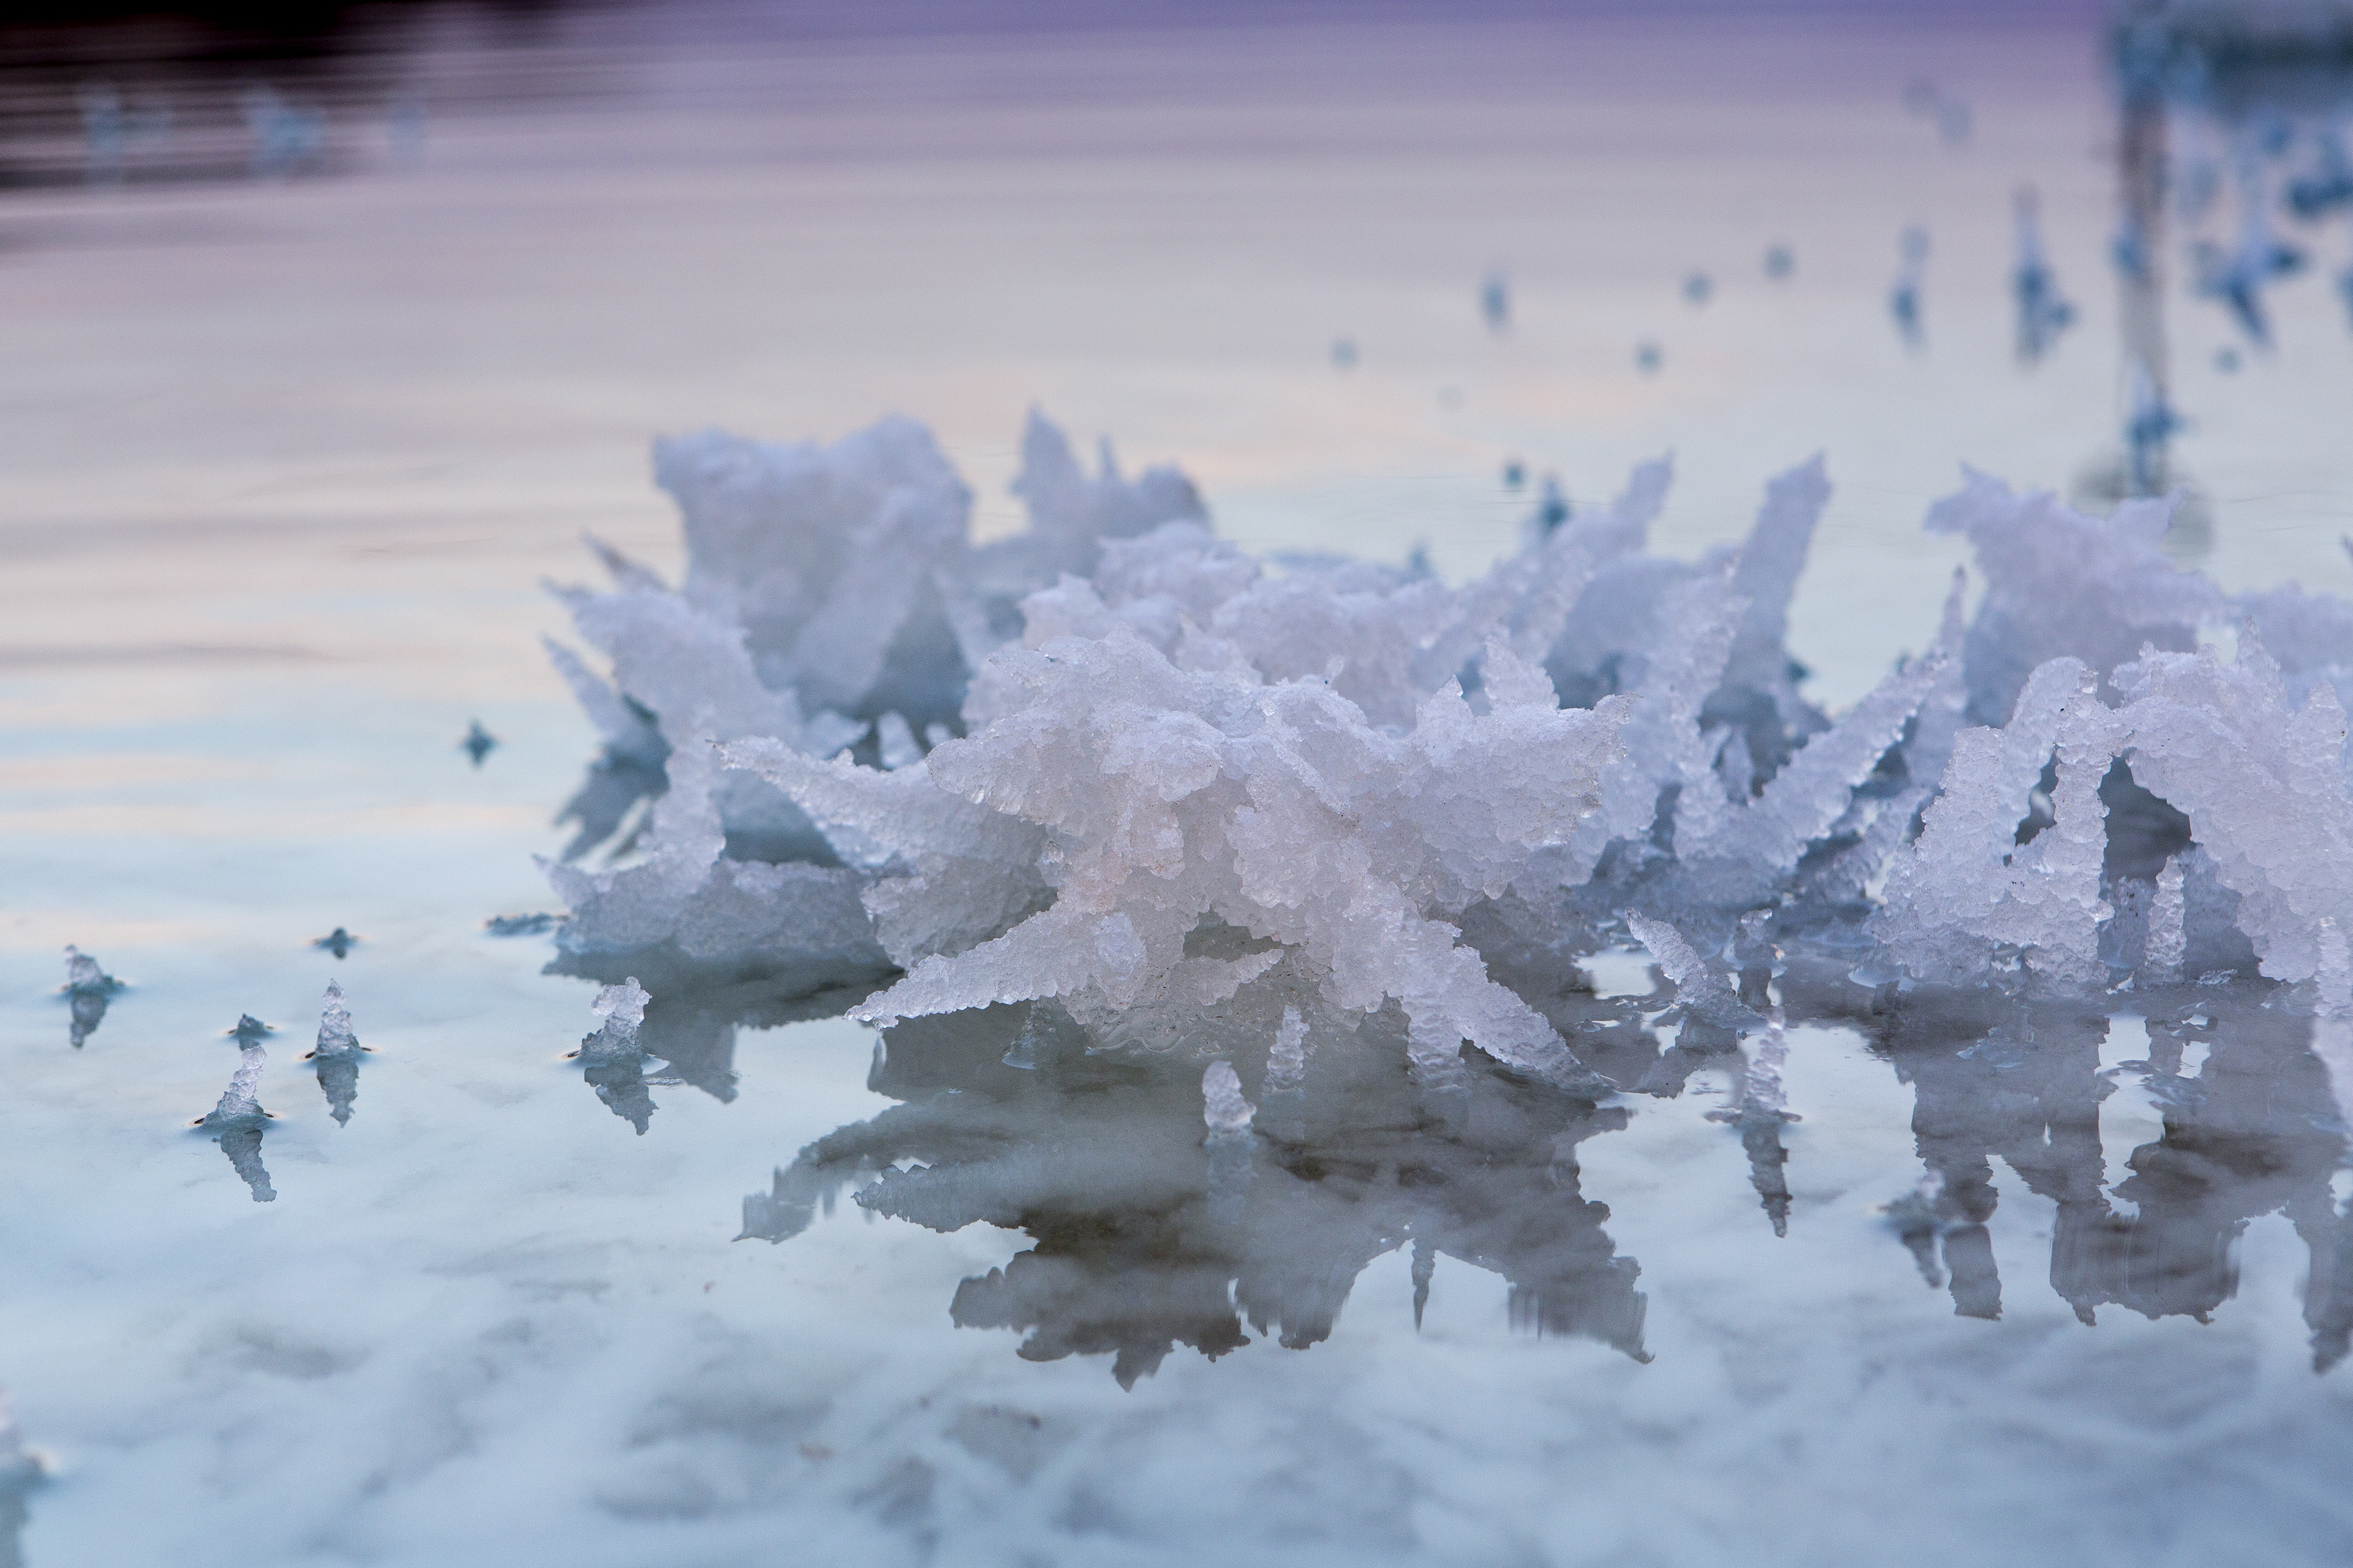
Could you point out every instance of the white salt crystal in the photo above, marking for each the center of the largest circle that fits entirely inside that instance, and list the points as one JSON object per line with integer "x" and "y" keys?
{"x": 2061, "y": 583}
{"x": 241, "y": 1102}
{"x": 1227, "y": 1113}
{"x": 623, "y": 1009}
{"x": 1699, "y": 986}
{"x": 897, "y": 742}
{"x": 83, "y": 974}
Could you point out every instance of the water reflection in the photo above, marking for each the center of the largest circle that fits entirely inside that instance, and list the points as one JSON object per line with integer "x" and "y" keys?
{"x": 237, "y": 1123}
{"x": 1150, "y": 1231}
{"x": 1155, "y": 1221}
{"x": 2249, "y": 1128}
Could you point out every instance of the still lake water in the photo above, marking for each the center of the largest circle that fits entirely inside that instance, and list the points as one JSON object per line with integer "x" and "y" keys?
{"x": 285, "y": 459}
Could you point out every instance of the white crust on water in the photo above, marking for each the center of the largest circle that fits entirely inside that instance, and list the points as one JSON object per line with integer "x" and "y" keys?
{"x": 1129, "y": 768}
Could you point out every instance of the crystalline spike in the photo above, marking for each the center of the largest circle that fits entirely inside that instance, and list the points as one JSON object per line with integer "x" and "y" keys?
{"x": 1769, "y": 567}
{"x": 1699, "y": 986}
{"x": 83, "y": 974}
{"x": 2261, "y": 787}
{"x": 2032, "y": 733}
{"x": 1966, "y": 892}
{"x": 1227, "y": 1113}
{"x": 88, "y": 991}
{"x": 1664, "y": 745}
{"x": 625, "y": 730}
{"x": 1286, "y": 1062}
{"x": 336, "y": 1035}
{"x": 685, "y": 667}
{"x": 1737, "y": 857}
{"x": 241, "y": 1098}
{"x": 2060, "y": 582}
{"x": 897, "y": 742}
{"x": 1515, "y": 682}
{"x": 612, "y": 1060}
{"x": 626, "y": 574}
{"x": 336, "y": 1057}
{"x": 238, "y": 1121}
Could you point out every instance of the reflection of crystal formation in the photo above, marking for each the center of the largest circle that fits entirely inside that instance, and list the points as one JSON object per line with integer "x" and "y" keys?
{"x": 1147, "y": 788}
{"x": 1117, "y": 770}
{"x": 1160, "y": 1219}
{"x": 237, "y": 1123}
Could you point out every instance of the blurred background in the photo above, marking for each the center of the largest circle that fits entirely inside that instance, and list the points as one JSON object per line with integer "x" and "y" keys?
{"x": 379, "y": 304}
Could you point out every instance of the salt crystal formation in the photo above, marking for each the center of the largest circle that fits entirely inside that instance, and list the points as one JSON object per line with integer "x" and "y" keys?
{"x": 612, "y": 1060}
{"x": 236, "y": 1124}
{"x": 336, "y": 1057}
{"x": 1207, "y": 807}
{"x": 1159, "y": 1219}
{"x": 88, "y": 989}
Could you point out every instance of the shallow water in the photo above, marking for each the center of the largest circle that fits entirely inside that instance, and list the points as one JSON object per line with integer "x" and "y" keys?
{"x": 287, "y": 457}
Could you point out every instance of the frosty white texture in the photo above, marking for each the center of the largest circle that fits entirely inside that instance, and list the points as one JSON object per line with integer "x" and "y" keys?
{"x": 1206, "y": 804}
{"x": 82, "y": 973}
{"x": 2059, "y": 583}
{"x": 241, "y": 1102}
{"x": 623, "y": 1008}
{"x": 611, "y": 1059}
{"x": 1223, "y": 1110}
{"x": 238, "y": 1121}
{"x": 335, "y": 1059}
{"x": 336, "y": 1036}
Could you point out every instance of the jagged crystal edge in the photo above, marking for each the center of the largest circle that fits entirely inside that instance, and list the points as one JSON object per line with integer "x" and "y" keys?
{"x": 1118, "y": 763}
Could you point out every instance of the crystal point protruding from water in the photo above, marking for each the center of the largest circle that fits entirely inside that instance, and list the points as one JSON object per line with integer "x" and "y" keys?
{"x": 336, "y": 1057}
{"x": 88, "y": 989}
{"x": 611, "y": 1059}
{"x": 238, "y": 1121}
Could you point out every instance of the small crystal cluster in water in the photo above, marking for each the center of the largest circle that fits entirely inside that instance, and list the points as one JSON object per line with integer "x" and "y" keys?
{"x": 1295, "y": 825}
{"x": 88, "y": 991}
{"x": 239, "y": 1123}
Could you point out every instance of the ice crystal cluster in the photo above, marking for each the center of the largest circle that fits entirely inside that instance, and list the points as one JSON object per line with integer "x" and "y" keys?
{"x": 1248, "y": 810}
